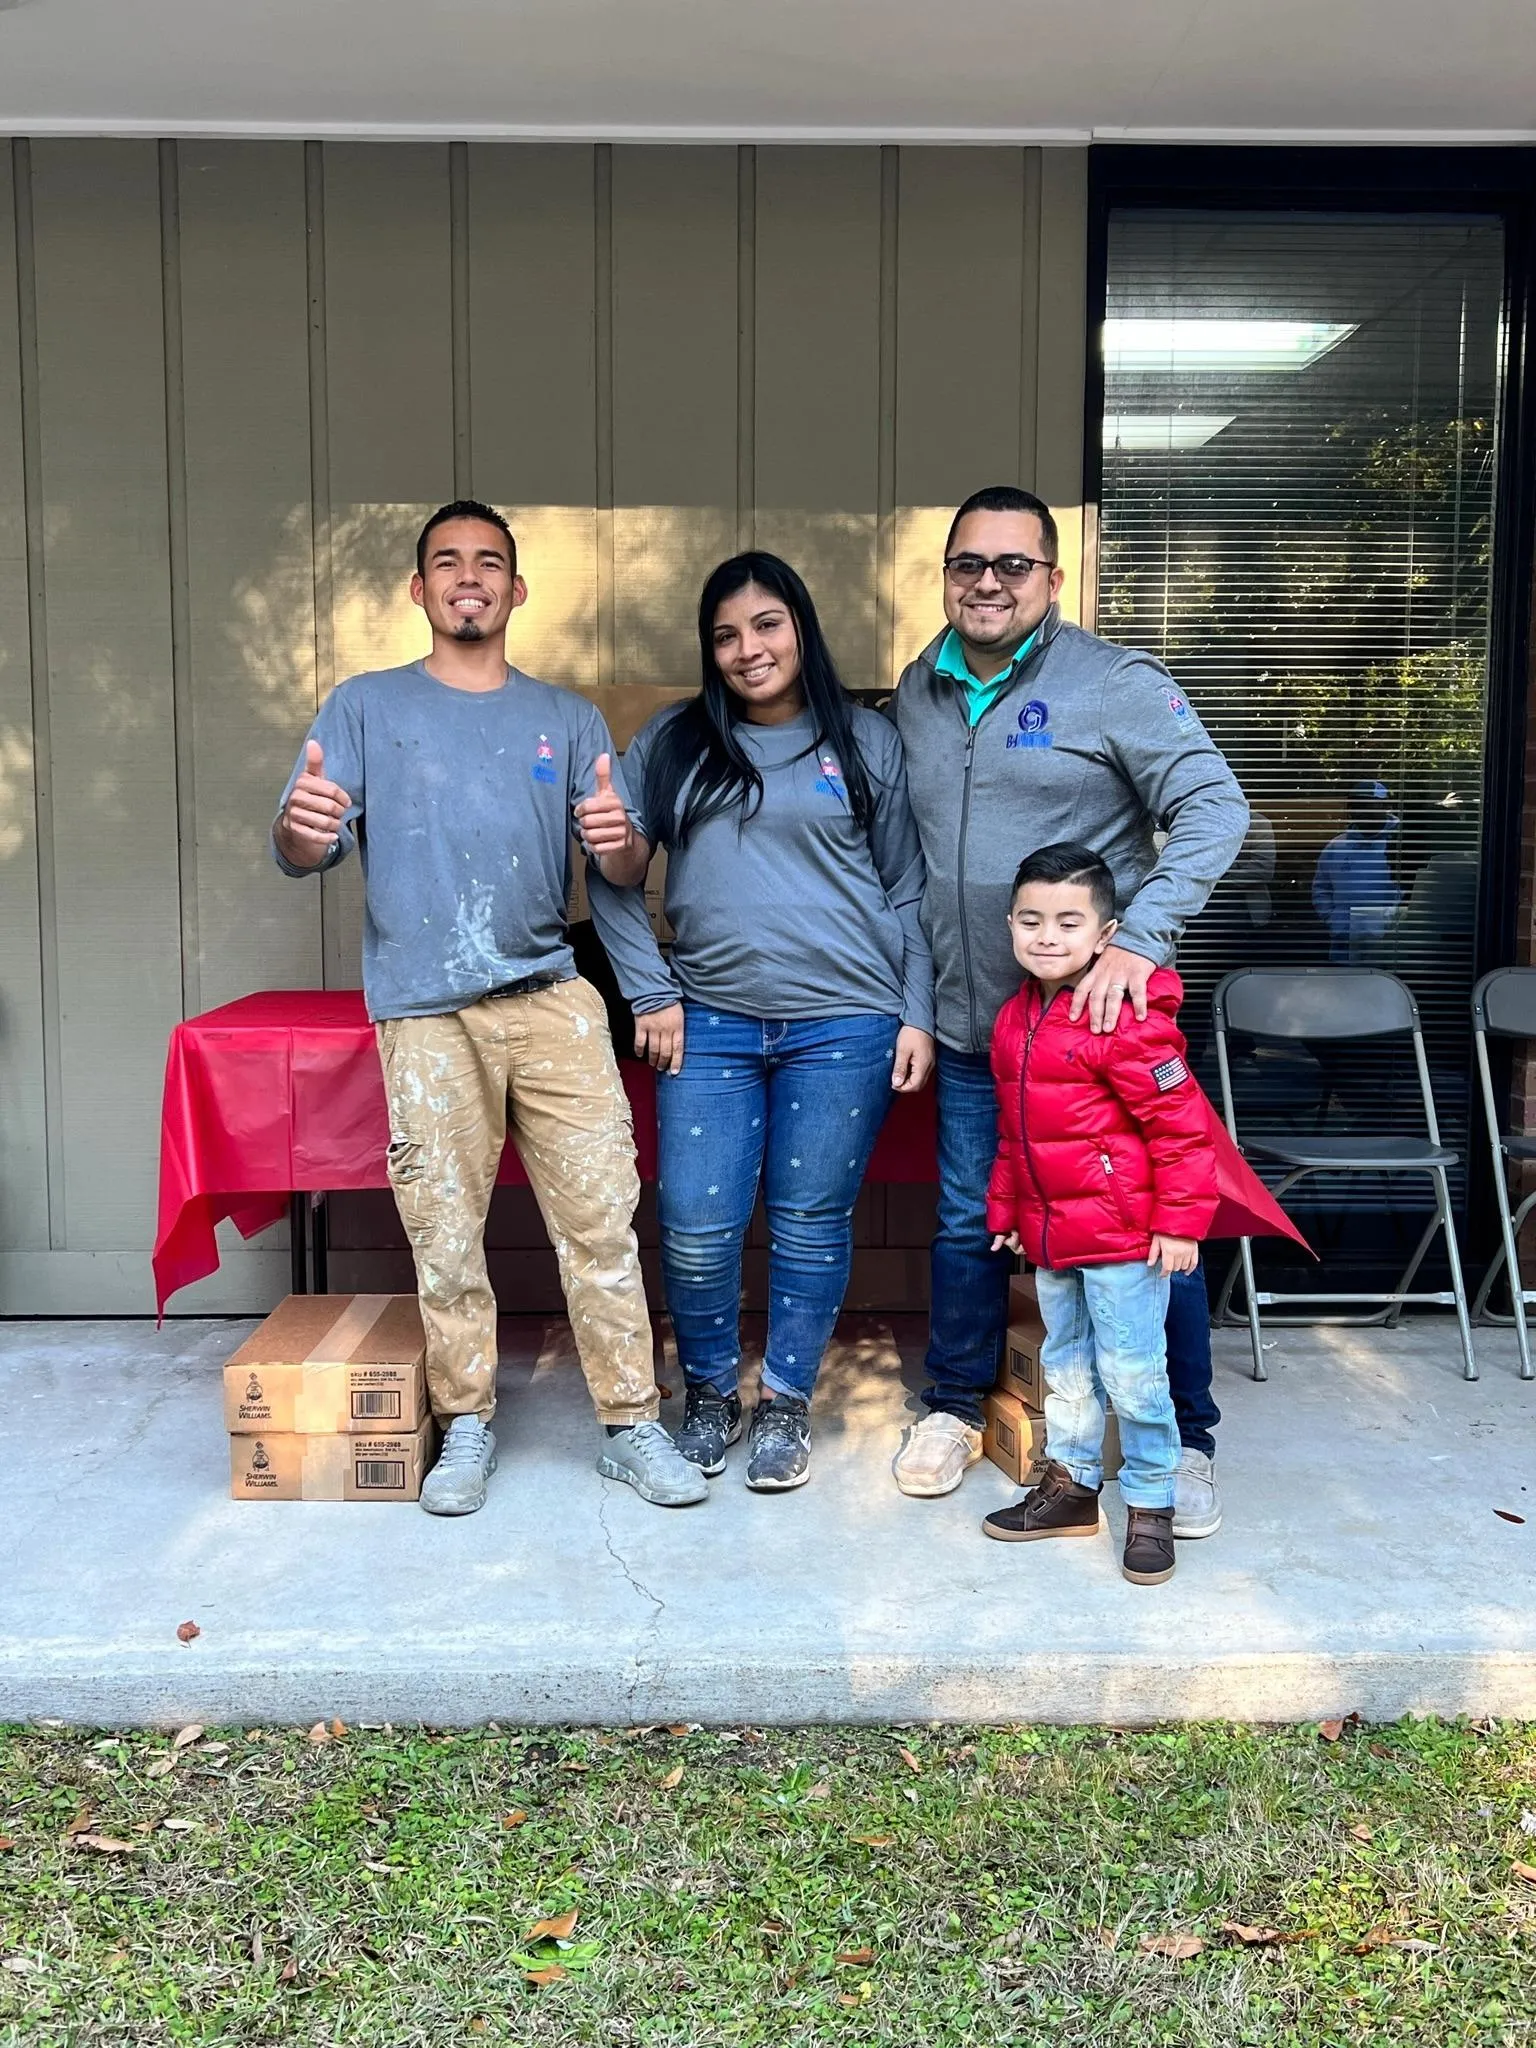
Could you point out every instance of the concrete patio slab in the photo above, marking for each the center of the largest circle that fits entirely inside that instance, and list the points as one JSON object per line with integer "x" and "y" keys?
{"x": 1363, "y": 1566}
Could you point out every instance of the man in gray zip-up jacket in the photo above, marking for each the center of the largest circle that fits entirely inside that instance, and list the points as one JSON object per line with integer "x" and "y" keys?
{"x": 1021, "y": 730}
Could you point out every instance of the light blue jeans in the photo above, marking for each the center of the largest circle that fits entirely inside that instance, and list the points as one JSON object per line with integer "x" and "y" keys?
{"x": 1104, "y": 1336}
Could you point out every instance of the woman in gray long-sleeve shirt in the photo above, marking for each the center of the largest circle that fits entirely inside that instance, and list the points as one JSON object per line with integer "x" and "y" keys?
{"x": 794, "y": 880}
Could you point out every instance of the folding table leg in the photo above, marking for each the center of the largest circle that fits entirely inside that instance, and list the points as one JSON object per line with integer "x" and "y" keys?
{"x": 319, "y": 1244}
{"x": 297, "y": 1275}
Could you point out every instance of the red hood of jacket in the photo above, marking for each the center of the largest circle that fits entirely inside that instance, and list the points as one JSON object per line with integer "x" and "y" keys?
{"x": 1104, "y": 1141}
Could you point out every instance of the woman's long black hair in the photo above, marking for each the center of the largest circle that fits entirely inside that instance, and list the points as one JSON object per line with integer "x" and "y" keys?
{"x": 700, "y": 741}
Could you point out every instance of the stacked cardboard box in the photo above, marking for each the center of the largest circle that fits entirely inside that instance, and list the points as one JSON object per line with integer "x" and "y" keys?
{"x": 1014, "y": 1437}
{"x": 328, "y": 1401}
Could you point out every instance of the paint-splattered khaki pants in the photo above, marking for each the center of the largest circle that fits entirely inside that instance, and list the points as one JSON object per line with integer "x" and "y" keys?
{"x": 449, "y": 1080}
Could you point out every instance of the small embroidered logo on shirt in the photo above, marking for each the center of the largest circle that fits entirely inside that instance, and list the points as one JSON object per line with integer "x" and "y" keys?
{"x": 1169, "y": 1074}
{"x": 830, "y": 781}
{"x": 544, "y": 760}
{"x": 1178, "y": 705}
{"x": 1034, "y": 726}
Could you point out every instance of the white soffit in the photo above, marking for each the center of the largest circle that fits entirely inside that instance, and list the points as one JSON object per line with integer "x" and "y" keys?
{"x": 791, "y": 71}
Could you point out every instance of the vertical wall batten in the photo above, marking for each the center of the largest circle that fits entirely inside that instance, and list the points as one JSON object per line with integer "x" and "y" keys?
{"x": 320, "y": 481}
{"x": 458, "y": 231}
{"x": 42, "y": 719}
{"x": 176, "y": 539}
{"x": 1029, "y": 322}
{"x": 887, "y": 664}
{"x": 746, "y": 346}
{"x": 602, "y": 334}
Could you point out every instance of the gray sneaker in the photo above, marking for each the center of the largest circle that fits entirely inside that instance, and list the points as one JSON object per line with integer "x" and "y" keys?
{"x": 1196, "y": 1503}
{"x": 457, "y": 1482}
{"x": 646, "y": 1458}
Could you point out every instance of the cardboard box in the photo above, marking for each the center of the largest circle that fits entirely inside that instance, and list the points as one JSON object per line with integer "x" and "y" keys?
{"x": 1024, "y": 1303}
{"x": 355, "y": 1467}
{"x": 1020, "y": 1373}
{"x": 323, "y": 1364}
{"x": 1014, "y": 1437}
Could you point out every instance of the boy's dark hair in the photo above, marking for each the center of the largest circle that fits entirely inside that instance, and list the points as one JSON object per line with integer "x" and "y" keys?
{"x": 462, "y": 508}
{"x": 1070, "y": 861}
{"x": 1009, "y": 498}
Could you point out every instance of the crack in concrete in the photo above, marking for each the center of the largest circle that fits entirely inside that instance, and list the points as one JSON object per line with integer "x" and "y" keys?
{"x": 659, "y": 1605}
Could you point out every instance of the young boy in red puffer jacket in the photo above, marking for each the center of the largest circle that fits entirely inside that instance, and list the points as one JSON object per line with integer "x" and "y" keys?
{"x": 1106, "y": 1177}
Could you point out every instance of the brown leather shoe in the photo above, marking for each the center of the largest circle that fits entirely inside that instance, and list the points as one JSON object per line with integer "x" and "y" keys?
{"x": 1054, "y": 1506}
{"x": 1148, "y": 1558}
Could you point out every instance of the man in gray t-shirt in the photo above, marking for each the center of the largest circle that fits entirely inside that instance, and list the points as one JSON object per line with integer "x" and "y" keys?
{"x": 458, "y": 781}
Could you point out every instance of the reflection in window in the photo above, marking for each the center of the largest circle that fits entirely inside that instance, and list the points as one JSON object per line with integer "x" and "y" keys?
{"x": 1296, "y": 516}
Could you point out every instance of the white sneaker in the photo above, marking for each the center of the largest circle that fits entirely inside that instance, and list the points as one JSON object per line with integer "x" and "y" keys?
{"x": 934, "y": 1455}
{"x": 457, "y": 1482}
{"x": 1196, "y": 1503}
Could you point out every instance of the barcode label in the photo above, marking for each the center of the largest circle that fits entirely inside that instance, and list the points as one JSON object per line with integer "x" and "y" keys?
{"x": 371, "y": 1403}
{"x": 380, "y": 1475}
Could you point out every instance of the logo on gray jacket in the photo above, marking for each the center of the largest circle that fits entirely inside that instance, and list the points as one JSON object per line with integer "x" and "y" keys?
{"x": 1034, "y": 726}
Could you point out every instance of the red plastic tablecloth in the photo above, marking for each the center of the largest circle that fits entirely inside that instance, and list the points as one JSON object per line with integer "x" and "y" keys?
{"x": 281, "y": 1093}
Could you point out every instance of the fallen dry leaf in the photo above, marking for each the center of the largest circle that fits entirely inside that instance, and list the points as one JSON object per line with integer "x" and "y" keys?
{"x": 817, "y": 1792}
{"x": 849, "y": 1998}
{"x": 1409, "y": 1941}
{"x": 514, "y": 1819}
{"x": 1179, "y": 1947}
{"x": 161, "y": 1767}
{"x": 1362, "y": 1833}
{"x": 338, "y": 1729}
{"x": 1374, "y": 1937}
{"x": 288, "y": 1972}
{"x": 108, "y": 1845}
{"x": 573, "y": 1763}
{"x": 856, "y": 1957}
{"x": 1250, "y": 1937}
{"x": 179, "y": 1827}
{"x": 559, "y": 1928}
{"x": 1525, "y": 1871}
{"x": 188, "y": 1632}
{"x": 185, "y": 1737}
{"x": 1506, "y": 1515}
{"x": 6, "y": 1842}
{"x": 1330, "y": 1731}
{"x": 910, "y": 1761}
{"x": 479, "y": 2026}
{"x": 772, "y": 1930}
{"x": 753, "y": 1735}
{"x": 258, "y": 1948}
{"x": 672, "y": 1780}
{"x": 875, "y": 1841}
{"x": 81, "y": 1823}
{"x": 319, "y": 1733}
{"x": 682, "y": 1727}
{"x": 550, "y": 1974}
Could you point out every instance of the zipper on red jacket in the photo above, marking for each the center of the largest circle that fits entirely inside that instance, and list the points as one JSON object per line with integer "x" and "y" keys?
{"x": 1045, "y": 1207}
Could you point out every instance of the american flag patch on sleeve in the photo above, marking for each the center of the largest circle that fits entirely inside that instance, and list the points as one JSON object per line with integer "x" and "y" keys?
{"x": 1169, "y": 1074}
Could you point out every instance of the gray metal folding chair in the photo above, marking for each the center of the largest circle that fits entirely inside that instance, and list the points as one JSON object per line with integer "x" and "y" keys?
{"x": 1321, "y": 1005}
{"x": 1504, "y": 1006}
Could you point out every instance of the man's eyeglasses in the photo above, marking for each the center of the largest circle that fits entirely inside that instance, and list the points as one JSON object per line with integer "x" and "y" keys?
{"x": 1006, "y": 568}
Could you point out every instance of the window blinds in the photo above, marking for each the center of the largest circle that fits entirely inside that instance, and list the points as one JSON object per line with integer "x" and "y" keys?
{"x": 1296, "y": 516}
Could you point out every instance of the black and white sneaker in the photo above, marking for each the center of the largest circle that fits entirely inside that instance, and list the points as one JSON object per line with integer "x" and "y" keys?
{"x": 711, "y": 1424}
{"x": 779, "y": 1445}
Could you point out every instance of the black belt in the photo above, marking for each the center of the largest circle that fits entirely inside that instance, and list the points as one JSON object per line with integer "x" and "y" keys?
{"x": 529, "y": 985}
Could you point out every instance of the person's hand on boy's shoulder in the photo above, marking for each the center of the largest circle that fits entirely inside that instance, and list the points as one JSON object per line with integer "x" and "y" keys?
{"x": 1117, "y": 975}
{"x": 1171, "y": 1254}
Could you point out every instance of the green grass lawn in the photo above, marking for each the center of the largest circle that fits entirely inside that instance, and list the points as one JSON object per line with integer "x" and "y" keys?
{"x": 924, "y": 1885}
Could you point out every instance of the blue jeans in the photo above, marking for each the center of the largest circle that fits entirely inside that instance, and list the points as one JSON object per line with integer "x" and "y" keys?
{"x": 969, "y": 1297}
{"x": 799, "y": 1106}
{"x": 1104, "y": 1335}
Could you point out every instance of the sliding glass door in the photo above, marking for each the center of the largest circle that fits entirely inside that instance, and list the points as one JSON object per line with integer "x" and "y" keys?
{"x": 1298, "y": 510}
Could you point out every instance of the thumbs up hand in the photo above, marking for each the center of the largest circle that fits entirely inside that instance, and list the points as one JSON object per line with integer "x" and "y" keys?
{"x": 601, "y": 818}
{"x": 311, "y": 818}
